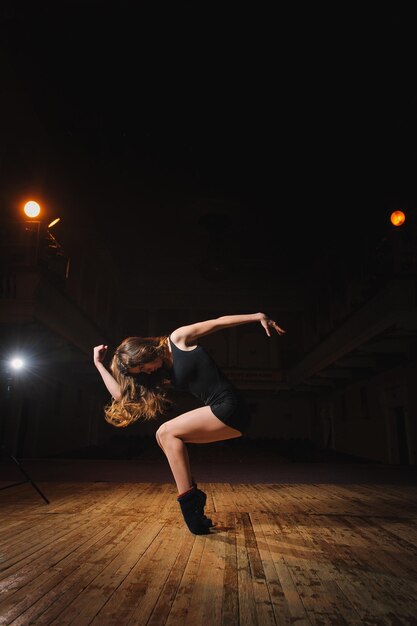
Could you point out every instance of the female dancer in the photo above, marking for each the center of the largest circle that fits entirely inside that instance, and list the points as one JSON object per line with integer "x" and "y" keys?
{"x": 141, "y": 370}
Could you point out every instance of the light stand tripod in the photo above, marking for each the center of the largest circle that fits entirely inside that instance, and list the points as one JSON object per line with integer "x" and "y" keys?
{"x": 4, "y": 452}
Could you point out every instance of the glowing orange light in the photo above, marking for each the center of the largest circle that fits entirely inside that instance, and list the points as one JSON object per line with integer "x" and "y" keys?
{"x": 397, "y": 218}
{"x": 58, "y": 219}
{"x": 32, "y": 208}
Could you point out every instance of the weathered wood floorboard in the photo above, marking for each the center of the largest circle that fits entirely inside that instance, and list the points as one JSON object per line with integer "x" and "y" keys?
{"x": 120, "y": 553}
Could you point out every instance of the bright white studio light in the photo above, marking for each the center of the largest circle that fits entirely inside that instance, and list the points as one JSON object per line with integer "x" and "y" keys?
{"x": 17, "y": 363}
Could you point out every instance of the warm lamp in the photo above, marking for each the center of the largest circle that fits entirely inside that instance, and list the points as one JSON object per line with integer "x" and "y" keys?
{"x": 32, "y": 208}
{"x": 397, "y": 218}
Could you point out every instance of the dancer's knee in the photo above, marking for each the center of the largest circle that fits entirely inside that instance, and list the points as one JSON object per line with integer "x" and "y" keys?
{"x": 165, "y": 436}
{"x": 162, "y": 435}
{"x": 158, "y": 440}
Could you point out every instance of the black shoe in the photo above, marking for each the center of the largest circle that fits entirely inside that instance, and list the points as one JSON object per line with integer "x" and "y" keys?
{"x": 202, "y": 497}
{"x": 191, "y": 511}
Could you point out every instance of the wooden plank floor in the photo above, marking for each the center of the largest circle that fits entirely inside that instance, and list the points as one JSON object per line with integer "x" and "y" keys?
{"x": 119, "y": 553}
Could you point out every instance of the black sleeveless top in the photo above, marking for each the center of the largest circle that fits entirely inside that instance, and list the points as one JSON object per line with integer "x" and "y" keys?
{"x": 196, "y": 372}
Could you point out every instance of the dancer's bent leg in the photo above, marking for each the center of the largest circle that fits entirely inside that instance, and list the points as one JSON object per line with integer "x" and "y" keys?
{"x": 185, "y": 455}
{"x": 197, "y": 426}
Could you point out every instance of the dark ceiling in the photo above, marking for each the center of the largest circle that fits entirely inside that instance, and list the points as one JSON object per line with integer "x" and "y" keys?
{"x": 290, "y": 131}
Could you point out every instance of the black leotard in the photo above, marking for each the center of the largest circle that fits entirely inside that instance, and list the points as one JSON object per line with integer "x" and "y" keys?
{"x": 196, "y": 372}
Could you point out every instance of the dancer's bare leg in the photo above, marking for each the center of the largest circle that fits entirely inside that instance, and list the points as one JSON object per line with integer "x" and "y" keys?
{"x": 197, "y": 426}
{"x": 186, "y": 458}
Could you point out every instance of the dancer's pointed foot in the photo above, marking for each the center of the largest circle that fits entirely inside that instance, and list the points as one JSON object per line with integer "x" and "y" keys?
{"x": 190, "y": 509}
{"x": 202, "y": 499}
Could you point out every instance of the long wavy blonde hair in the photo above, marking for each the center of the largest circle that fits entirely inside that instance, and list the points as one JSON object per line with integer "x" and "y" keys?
{"x": 143, "y": 396}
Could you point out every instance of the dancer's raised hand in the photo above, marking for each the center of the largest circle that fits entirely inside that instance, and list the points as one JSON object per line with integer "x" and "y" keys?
{"x": 100, "y": 353}
{"x": 267, "y": 323}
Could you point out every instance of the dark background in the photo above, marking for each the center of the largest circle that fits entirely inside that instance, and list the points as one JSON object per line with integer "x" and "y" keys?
{"x": 301, "y": 119}
{"x": 236, "y": 154}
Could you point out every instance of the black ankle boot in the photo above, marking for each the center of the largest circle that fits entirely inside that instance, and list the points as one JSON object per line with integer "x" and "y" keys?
{"x": 202, "y": 497}
{"x": 191, "y": 511}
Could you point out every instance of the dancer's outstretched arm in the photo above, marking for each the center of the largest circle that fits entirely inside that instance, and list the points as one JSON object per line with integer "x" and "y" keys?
{"x": 193, "y": 332}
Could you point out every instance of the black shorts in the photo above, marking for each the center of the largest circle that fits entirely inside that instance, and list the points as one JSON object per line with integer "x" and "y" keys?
{"x": 232, "y": 410}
